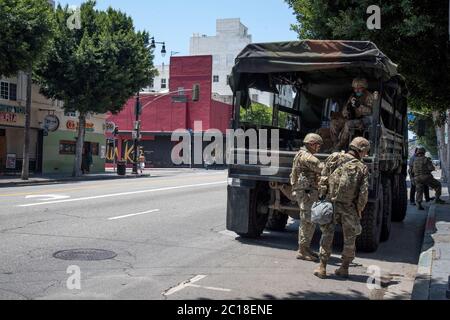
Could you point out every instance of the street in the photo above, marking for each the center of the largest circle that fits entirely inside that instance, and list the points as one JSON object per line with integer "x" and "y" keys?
{"x": 168, "y": 238}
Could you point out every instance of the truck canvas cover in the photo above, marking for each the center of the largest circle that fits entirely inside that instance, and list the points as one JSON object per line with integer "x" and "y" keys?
{"x": 257, "y": 61}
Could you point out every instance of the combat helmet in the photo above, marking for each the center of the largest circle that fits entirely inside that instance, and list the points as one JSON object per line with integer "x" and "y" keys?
{"x": 313, "y": 138}
{"x": 360, "y": 83}
{"x": 360, "y": 144}
{"x": 421, "y": 150}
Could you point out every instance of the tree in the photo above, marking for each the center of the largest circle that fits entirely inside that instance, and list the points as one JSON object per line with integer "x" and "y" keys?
{"x": 257, "y": 113}
{"x": 413, "y": 33}
{"x": 26, "y": 27}
{"x": 95, "y": 68}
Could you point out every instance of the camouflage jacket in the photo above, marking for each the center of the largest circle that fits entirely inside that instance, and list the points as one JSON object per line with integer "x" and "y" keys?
{"x": 422, "y": 166}
{"x": 364, "y": 108}
{"x": 358, "y": 192}
{"x": 306, "y": 171}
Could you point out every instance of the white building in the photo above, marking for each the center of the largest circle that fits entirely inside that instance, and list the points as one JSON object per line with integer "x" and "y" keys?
{"x": 230, "y": 39}
{"x": 160, "y": 84}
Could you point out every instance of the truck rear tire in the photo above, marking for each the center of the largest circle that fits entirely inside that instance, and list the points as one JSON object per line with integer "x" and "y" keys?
{"x": 277, "y": 221}
{"x": 387, "y": 209}
{"x": 400, "y": 199}
{"x": 371, "y": 223}
{"x": 259, "y": 197}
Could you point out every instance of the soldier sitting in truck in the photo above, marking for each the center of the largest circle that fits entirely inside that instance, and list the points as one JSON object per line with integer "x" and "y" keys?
{"x": 357, "y": 112}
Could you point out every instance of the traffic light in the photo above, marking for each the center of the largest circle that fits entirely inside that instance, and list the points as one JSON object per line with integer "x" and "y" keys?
{"x": 196, "y": 92}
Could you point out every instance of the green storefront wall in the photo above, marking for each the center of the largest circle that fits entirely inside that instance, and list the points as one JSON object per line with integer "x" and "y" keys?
{"x": 53, "y": 162}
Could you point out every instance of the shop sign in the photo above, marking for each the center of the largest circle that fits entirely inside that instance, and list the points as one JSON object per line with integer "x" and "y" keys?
{"x": 51, "y": 123}
{"x": 11, "y": 161}
{"x": 12, "y": 109}
{"x": 110, "y": 127}
{"x": 73, "y": 125}
{"x": 8, "y": 117}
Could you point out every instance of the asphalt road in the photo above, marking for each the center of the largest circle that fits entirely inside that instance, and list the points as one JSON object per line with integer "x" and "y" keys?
{"x": 169, "y": 236}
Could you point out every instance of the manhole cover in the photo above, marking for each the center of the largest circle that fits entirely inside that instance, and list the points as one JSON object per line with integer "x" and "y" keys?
{"x": 85, "y": 255}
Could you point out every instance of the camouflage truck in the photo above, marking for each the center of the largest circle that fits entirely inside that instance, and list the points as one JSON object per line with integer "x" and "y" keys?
{"x": 320, "y": 73}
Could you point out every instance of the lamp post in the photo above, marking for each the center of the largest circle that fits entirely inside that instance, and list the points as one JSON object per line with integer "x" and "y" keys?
{"x": 138, "y": 110}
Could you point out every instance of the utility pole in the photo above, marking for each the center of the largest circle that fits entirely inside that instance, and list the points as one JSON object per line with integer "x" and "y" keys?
{"x": 136, "y": 134}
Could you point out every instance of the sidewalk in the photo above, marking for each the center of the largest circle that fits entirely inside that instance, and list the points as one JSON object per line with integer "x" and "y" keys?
{"x": 433, "y": 276}
{"x": 15, "y": 181}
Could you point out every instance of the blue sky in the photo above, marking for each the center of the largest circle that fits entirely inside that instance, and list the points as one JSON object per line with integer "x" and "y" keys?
{"x": 174, "y": 21}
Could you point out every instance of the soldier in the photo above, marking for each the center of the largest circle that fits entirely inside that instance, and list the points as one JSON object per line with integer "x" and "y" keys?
{"x": 357, "y": 111}
{"x": 304, "y": 179}
{"x": 422, "y": 169}
{"x": 344, "y": 182}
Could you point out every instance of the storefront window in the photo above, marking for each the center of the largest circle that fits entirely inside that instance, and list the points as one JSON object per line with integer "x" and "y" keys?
{"x": 67, "y": 147}
{"x": 4, "y": 90}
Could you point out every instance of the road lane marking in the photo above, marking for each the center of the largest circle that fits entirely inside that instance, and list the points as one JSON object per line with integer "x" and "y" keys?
{"x": 133, "y": 215}
{"x": 183, "y": 285}
{"x": 47, "y": 197}
{"x": 122, "y": 194}
{"x": 209, "y": 288}
{"x": 109, "y": 185}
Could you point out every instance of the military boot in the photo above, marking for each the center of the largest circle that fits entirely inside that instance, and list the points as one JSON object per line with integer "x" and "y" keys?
{"x": 420, "y": 207}
{"x": 321, "y": 271}
{"x": 343, "y": 270}
{"x": 303, "y": 254}
{"x": 312, "y": 253}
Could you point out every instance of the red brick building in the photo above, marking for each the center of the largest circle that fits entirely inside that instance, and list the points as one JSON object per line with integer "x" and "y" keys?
{"x": 164, "y": 113}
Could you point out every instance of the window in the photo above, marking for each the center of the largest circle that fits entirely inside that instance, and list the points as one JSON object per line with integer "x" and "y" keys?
{"x": 163, "y": 83}
{"x": 71, "y": 114}
{"x": 181, "y": 91}
{"x": 254, "y": 97}
{"x": 215, "y": 78}
{"x": 4, "y": 90}
{"x": 67, "y": 147}
{"x": 13, "y": 91}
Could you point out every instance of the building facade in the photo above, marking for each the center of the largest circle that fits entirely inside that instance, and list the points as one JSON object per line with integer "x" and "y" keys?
{"x": 161, "y": 82}
{"x": 231, "y": 38}
{"x": 52, "y": 134}
{"x": 162, "y": 114}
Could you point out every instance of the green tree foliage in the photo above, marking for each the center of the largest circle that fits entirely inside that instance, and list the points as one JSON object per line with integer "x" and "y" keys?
{"x": 414, "y": 33}
{"x": 258, "y": 113}
{"x": 96, "y": 68}
{"x": 428, "y": 138}
{"x": 25, "y": 29}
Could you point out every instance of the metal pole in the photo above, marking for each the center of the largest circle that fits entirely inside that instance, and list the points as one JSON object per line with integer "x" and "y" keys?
{"x": 136, "y": 142}
{"x": 114, "y": 152}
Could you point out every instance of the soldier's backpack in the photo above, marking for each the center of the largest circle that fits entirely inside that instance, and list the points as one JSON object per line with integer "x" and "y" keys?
{"x": 343, "y": 182}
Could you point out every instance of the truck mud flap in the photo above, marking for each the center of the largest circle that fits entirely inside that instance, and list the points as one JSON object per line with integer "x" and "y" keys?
{"x": 238, "y": 208}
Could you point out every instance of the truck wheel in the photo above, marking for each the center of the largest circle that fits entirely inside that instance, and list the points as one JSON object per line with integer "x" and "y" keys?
{"x": 400, "y": 199}
{"x": 277, "y": 221}
{"x": 387, "y": 209}
{"x": 371, "y": 223}
{"x": 259, "y": 199}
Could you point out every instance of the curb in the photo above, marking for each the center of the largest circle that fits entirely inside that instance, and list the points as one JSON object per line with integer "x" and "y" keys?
{"x": 422, "y": 283}
{"x": 70, "y": 179}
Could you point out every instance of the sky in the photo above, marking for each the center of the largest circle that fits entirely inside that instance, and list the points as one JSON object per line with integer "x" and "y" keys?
{"x": 174, "y": 21}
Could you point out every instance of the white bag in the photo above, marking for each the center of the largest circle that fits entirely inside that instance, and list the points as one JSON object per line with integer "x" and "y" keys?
{"x": 322, "y": 212}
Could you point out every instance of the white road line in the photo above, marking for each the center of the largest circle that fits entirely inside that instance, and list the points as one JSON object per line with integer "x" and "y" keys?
{"x": 47, "y": 197}
{"x": 122, "y": 194}
{"x": 183, "y": 285}
{"x": 209, "y": 288}
{"x": 133, "y": 215}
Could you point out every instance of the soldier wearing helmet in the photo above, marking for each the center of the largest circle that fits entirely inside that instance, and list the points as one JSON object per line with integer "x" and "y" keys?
{"x": 422, "y": 171}
{"x": 358, "y": 110}
{"x": 344, "y": 182}
{"x": 304, "y": 179}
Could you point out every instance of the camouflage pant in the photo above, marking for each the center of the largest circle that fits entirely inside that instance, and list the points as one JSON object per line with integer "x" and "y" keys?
{"x": 424, "y": 181}
{"x": 361, "y": 124}
{"x": 347, "y": 216}
{"x": 307, "y": 228}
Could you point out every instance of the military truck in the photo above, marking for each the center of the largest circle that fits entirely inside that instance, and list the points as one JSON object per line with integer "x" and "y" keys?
{"x": 320, "y": 73}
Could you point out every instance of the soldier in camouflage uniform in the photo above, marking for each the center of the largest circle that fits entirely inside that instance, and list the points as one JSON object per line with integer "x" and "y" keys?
{"x": 344, "y": 182}
{"x": 357, "y": 111}
{"x": 304, "y": 179}
{"x": 422, "y": 169}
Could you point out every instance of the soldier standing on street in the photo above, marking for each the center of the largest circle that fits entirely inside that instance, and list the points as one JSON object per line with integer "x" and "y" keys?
{"x": 422, "y": 172}
{"x": 304, "y": 179}
{"x": 344, "y": 182}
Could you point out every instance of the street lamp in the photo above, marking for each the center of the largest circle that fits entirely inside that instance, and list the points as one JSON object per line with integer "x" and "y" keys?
{"x": 138, "y": 111}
